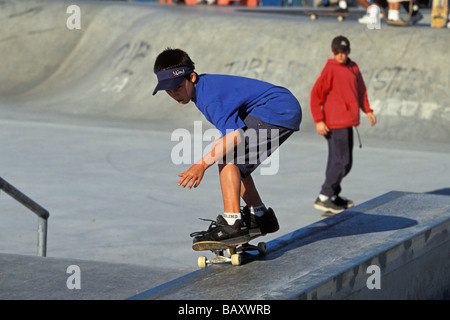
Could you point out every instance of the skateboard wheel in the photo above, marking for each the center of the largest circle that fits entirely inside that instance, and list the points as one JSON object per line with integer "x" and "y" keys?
{"x": 231, "y": 251}
{"x": 262, "y": 247}
{"x": 313, "y": 17}
{"x": 201, "y": 262}
{"x": 340, "y": 18}
{"x": 236, "y": 259}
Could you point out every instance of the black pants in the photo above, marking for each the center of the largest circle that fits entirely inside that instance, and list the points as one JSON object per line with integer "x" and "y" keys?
{"x": 340, "y": 158}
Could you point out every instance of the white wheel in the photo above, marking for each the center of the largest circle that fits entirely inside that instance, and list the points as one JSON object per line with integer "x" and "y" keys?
{"x": 340, "y": 18}
{"x": 201, "y": 262}
{"x": 313, "y": 17}
{"x": 236, "y": 259}
{"x": 262, "y": 247}
{"x": 231, "y": 251}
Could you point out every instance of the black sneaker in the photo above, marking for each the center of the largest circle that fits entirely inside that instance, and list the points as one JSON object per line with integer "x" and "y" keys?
{"x": 346, "y": 203}
{"x": 328, "y": 206}
{"x": 267, "y": 223}
{"x": 220, "y": 230}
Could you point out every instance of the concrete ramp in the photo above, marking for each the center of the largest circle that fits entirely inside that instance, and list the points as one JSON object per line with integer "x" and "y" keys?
{"x": 403, "y": 236}
{"x": 36, "y": 278}
{"x": 105, "y": 68}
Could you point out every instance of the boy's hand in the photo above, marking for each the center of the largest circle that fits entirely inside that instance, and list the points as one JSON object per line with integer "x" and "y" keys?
{"x": 194, "y": 174}
{"x": 372, "y": 118}
{"x": 322, "y": 128}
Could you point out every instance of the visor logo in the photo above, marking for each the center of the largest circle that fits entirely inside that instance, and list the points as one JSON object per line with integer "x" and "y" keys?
{"x": 176, "y": 73}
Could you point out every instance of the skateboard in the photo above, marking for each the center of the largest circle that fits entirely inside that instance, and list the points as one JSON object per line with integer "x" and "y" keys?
{"x": 401, "y": 22}
{"x": 314, "y": 14}
{"x": 328, "y": 214}
{"x": 439, "y": 10}
{"x": 233, "y": 247}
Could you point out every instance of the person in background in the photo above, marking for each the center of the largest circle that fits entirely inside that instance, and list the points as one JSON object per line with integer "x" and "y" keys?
{"x": 336, "y": 98}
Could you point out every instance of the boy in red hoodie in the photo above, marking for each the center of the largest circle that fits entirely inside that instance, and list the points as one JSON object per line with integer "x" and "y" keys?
{"x": 336, "y": 98}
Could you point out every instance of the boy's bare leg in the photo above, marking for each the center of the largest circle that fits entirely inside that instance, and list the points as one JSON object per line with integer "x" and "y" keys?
{"x": 261, "y": 220}
{"x": 233, "y": 188}
{"x": 230, "y": 225}
{"x": 230, "y": 182}
{"x": 249, "y": 193}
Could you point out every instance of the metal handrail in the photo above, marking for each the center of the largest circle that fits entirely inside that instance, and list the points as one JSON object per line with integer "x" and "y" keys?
{"x": 42, "y": 214}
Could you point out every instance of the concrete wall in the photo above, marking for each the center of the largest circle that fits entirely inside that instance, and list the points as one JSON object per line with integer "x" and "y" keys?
{"x": 106, "y": 67}
{"x": 414, "y": 269}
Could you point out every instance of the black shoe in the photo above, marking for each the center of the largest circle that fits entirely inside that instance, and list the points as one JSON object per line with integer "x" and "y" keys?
{"x": 346, "y": 203}
{"x": 220, "y": 230}
{"x": 328, "y": 206}
{"x": 267, "y": 223}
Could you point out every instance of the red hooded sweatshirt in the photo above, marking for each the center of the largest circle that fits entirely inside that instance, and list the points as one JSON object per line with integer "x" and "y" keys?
{"x": 338, "y": 94}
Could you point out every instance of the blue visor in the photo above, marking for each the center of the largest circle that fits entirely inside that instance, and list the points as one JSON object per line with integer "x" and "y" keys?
{"x": 171, "y": 79}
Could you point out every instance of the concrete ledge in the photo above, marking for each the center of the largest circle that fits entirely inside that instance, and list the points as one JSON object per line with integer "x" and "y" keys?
{"x": 405, "y": 235}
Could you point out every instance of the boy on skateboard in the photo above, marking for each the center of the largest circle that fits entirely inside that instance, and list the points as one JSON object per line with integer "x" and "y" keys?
{"x": 241, "y": 109}
{"x": 336, "y": 98}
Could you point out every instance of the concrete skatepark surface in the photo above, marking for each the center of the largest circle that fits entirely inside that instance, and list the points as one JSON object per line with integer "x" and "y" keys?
{"x": 82, "y": 135}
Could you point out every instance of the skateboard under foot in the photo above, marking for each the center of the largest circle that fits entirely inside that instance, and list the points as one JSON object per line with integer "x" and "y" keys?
{"x": 233, "y": 248}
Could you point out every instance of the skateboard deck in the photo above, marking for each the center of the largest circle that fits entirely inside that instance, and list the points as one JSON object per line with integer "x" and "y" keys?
{"x": 233, "y": 247}
{"x": 405, "y": 19}
{"x": 328, "y": 214}
{"x": 314, "y": 14}
{"x": 439, "y": 11}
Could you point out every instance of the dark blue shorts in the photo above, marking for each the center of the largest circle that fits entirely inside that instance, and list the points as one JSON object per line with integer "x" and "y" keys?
{"x": 261, "y": 140}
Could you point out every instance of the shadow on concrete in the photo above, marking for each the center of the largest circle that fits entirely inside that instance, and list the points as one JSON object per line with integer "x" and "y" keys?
{"x": 345, "y": 224}
{"x": 442, "y": 192}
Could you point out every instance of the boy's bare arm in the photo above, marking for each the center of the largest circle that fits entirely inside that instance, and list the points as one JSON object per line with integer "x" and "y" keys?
{"x": 194, "y": 175}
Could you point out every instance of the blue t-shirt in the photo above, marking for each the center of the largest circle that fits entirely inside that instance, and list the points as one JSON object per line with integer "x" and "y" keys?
{"x": 226, "y": 100}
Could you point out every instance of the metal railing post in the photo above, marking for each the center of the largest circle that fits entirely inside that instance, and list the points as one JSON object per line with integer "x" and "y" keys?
{"x": 42, "y": 237}
{"x": 42, "y": 214}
